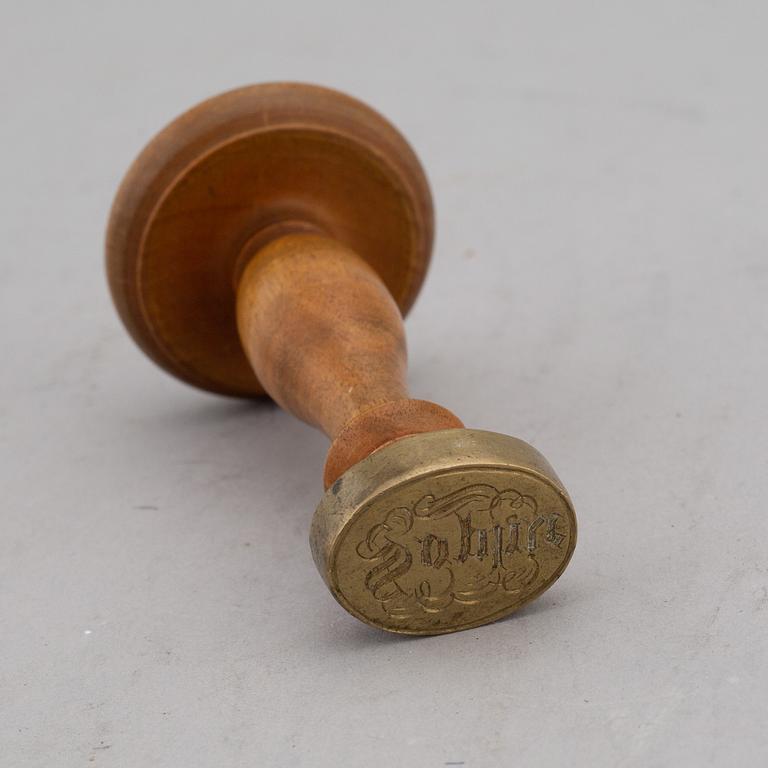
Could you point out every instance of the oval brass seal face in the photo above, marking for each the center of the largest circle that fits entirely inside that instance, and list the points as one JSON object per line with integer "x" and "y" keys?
{"x": 452, "y": 547}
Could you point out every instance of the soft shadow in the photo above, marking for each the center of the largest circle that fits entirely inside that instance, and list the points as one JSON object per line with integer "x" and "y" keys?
{"x": 353, "y": 635}
{"x": 247, "y": 441}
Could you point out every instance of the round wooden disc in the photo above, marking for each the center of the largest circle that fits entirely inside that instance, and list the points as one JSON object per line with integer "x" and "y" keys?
{"x": 231, "y": 167}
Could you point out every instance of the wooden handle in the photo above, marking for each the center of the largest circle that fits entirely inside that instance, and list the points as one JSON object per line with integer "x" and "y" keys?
{"x": 326, "y": 339}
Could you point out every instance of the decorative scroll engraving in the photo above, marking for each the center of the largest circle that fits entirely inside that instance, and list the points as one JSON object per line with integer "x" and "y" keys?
{"x": 458, "y": 548}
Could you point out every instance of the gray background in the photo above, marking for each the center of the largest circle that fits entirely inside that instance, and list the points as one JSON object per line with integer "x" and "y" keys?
{"x": 598, "y": 289}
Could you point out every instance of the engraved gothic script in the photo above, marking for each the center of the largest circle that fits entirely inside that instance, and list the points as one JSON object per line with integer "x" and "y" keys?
{"x": 460, "y": 548}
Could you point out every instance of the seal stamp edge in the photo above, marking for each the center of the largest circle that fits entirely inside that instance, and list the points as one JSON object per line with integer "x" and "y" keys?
{"x": 421, "y": 457}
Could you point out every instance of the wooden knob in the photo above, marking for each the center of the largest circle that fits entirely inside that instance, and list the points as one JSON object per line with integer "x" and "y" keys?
{"x": 269, "y": 241}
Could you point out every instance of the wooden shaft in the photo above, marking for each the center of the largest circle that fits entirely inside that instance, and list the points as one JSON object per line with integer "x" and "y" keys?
{"x": 326, "y": 339}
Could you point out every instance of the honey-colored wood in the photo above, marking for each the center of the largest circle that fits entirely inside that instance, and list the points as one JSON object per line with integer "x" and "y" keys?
{"x": 318, "y": 210}
{"x": 326, "y": 340}
{"x": 232, "y": 169}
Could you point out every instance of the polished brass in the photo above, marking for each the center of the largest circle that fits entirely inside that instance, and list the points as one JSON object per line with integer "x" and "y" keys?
{"x": 443, "y": 531}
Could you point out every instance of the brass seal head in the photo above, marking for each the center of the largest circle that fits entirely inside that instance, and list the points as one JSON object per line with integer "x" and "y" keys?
{"x": 443, "y": 531}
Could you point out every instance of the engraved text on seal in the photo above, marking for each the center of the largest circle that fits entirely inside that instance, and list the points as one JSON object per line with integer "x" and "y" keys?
{"x": 459, "y": 548}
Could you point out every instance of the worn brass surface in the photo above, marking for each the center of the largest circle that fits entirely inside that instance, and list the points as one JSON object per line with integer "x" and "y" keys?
{"x": 443, "y": 531}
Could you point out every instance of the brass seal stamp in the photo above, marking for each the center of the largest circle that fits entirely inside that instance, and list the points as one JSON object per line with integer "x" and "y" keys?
{"x": 443, "y": 531}
{"x": 269, "y": 241}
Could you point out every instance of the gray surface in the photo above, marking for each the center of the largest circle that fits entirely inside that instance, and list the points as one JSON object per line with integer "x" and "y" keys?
{"x": 599, "y": 289}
